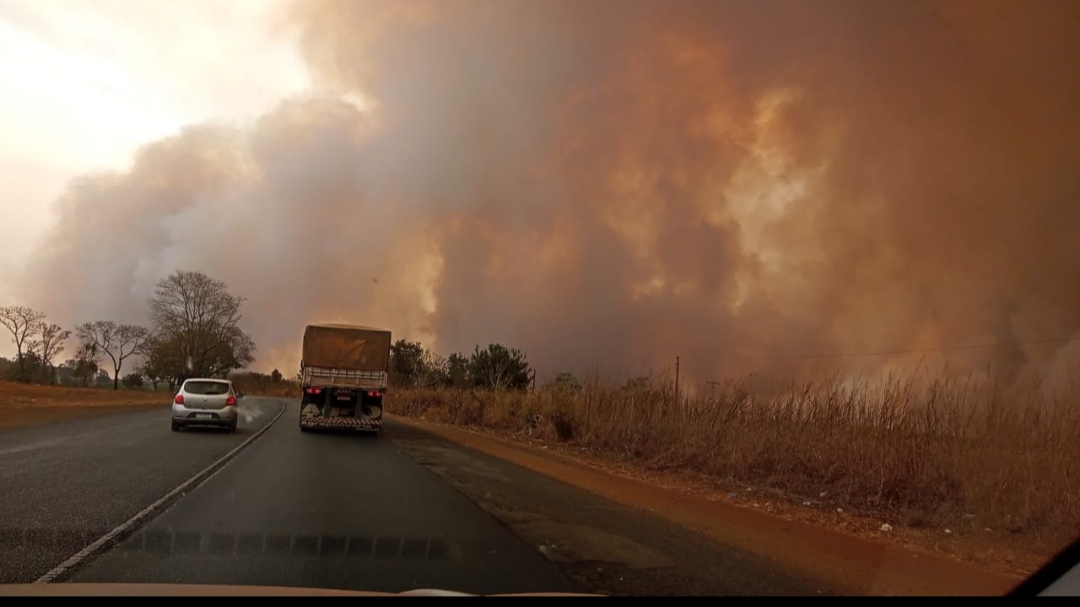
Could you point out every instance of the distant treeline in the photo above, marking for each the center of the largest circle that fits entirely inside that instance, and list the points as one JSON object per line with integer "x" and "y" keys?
{"x": 194, "y": 333}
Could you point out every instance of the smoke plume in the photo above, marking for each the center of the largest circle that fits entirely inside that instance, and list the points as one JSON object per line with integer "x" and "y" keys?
{"x": 610, "y": 184}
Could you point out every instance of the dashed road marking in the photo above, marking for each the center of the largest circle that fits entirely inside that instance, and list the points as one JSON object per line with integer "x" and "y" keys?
{"x": 104, "y": 541}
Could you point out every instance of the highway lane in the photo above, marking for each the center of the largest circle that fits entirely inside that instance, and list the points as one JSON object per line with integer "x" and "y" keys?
{"x": 328, "y": 511}
{"x": 64, "y": 485}
{"x": 396, "y": 512}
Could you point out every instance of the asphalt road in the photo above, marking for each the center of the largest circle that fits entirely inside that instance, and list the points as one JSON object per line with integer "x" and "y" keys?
{"x": 64, "y": 485}
{"x": 395, "y": 512}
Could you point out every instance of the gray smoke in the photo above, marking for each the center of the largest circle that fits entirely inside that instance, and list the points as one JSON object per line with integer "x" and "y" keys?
{"x": 611, "y": 184}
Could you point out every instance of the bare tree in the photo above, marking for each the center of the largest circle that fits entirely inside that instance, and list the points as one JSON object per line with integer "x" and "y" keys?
{"x": 49, "y": 344}
{"x": 85, "y": 364}
{"x": 198, "y": 316}
{"x": 117, "y": 341}
{"x": 233, "y": 352}
{"x": 431, "y": 371}
{"x": 163, "y": 362}
{"x": 22, "y": 322}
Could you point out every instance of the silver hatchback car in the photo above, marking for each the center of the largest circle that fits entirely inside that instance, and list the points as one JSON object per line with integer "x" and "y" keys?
{"x": 206, "y": 402}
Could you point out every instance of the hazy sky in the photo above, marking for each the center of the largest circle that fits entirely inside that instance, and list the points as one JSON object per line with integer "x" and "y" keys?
{"x": 83, "y": 83}
{"x": 605, "y": 184}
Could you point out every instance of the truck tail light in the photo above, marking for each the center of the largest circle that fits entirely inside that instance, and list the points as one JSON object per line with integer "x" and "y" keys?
{"x": 179, "y": 399}
{"x": 230, "y": 402}
{"x": 374, "y": 393}
{"x": 314, "y": 390}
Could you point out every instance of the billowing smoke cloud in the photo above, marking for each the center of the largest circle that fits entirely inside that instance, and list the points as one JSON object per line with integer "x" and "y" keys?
{"x": 611, "y": 184}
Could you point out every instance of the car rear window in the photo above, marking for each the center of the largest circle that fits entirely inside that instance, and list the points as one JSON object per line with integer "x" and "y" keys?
{"x": 206, "y": 387}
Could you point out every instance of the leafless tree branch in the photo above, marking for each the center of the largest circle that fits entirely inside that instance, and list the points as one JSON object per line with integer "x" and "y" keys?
{"x": 22, "y": 323}
{"x": 49, "y": 344}
{"x": 117, "y": 341}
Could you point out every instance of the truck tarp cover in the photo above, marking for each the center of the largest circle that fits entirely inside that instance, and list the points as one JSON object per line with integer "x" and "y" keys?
{"x": 346, "y": 347}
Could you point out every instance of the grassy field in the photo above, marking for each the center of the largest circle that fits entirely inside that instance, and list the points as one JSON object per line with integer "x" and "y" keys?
{"x": 24, "y": 404}
{"x": 939, "y": 454}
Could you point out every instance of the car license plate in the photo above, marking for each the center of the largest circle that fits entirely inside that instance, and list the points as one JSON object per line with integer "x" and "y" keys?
{"x": 203, "y": 416}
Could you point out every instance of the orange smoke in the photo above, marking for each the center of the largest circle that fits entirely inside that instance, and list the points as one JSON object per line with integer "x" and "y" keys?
{"x": 610, "y": 184}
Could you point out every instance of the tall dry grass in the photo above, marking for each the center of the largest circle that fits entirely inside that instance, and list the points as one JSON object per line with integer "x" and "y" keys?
{"x": 262, "y": 385}
{"x": 922, "y": 451}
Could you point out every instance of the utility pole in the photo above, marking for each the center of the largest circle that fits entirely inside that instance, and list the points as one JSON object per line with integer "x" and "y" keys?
{"x": 676, "y": 379}
{"x": 534, "y": 380}
{"x": 712, "y": 385}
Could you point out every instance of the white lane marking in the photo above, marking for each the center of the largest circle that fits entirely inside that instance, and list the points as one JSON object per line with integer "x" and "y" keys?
{"x": 190, "y": 483}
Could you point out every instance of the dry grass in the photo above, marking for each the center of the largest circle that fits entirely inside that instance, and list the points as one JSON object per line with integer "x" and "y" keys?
{"x": 25, "y": 404}
{"x": 928, "y": 453}
{"x": 20, "y": 396}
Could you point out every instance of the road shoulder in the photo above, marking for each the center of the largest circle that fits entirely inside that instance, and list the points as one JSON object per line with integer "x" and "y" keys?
{"x": 849, "y": 564}
{"x": 606, "y": 547}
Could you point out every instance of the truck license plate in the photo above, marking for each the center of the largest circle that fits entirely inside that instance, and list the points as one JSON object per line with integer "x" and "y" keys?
{"x": 203, "y": 416}
{"x": 344, "y": 397}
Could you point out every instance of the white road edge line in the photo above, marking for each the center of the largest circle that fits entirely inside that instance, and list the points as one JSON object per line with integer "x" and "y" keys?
{"x": 102, "y": 541}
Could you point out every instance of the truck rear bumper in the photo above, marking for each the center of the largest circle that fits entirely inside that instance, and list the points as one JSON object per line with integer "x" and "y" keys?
{"x": 317, "y": 422}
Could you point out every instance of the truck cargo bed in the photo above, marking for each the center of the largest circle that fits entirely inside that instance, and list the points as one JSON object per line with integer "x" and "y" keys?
{"x": 346, "y": 347}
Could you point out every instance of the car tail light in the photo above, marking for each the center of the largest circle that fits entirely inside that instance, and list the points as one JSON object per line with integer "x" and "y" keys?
{"x": 179, "y": 399}
{"x": 230, "y": 402}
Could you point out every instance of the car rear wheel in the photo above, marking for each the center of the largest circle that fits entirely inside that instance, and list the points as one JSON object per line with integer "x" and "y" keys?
{"x": 175, "y": 427}
{"x": 232, "y": 428}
